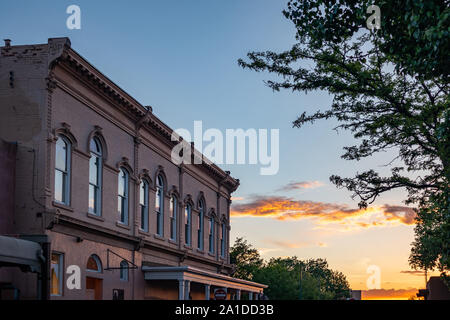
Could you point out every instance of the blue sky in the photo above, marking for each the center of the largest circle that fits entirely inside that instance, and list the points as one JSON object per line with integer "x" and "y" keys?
{"x": 180, "y": 57}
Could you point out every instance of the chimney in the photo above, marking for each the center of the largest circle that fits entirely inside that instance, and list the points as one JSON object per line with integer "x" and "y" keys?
{"x": 7, "y": 43}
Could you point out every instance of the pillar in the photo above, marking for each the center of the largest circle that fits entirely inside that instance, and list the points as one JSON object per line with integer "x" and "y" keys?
{"x": 207, "y": 291}
{"x": 238, "y": 294}
{"x": 181, "y": 289}
{"x": 187, "y": 289}
{"x": 250, "y": 296}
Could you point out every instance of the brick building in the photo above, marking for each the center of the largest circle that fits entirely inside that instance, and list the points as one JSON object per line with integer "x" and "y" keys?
{"x": 93, "y": 173}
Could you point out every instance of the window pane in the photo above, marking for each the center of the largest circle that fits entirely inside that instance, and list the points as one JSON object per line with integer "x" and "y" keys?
{"x": 56, "y": 274}
{"x": 120, "y": 208}
{"x": 124, "y": 271}
{"x": 95, "y": 146}
{"x": 158, "y": 223}
{"x": 59, "y": 186}
{"x": 158, "y": 200}
{"x": 144, "y": 219}
{"x": 160, "y": 182}
{"x": 92, "y": 198}
{"x": 93, "y": 169}
{"x": 186, "y": 214}
{"x": 61, "y": 155}
{"x": 94, "y": 264}
{"x": 122, "y": 181}
{"x": 143, "y": 193}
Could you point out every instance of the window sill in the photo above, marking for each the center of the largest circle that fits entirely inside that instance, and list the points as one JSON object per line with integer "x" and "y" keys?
{"x": 211, "y": 254}
{"x": 200, "y": 251}
{"x": 188, "y": 246}
{"x": 158, "y": 237}
{"x": 94, "y": 216}
{"x": 62, "y": 206}
{"x": 122, "y": 225}
{"x": 145, "y": 233}
{"x": 173, "y": 241}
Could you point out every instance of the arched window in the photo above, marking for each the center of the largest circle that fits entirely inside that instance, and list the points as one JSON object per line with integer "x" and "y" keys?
{"x": 173, "y": 217}
{"x": 143, "y": 202}
{"x": 62, "y": 170}
{"x": 223, "y": 240}
{"x": 187, "y": 224}
{"x": 159, "y": 205}
{"x": 211, "y": 235}
{"x": 124, "y": 270}
{"x": 201, "y": 214}
{"x": 95, "y": 177}
{"x": 122, "y": 198}
{"x": 94, "y": 264}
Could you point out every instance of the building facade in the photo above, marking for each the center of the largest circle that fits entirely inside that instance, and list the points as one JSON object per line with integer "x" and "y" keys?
{"x": 93, "y": 172}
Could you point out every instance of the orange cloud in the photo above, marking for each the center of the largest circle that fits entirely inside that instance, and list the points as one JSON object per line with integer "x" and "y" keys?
{"x": 301, "y": 185}
{"x": 388, "y": 294}
{"x": 284, "y": 208}
{"x": 294, "y": 245}
{"x": 414, "y": 272}
{"x": 289, "y": 245}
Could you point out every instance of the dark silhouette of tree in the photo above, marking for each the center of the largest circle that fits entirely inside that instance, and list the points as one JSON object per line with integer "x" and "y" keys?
{"x": 391, "y": 90}
{"x": 245, "y": 258}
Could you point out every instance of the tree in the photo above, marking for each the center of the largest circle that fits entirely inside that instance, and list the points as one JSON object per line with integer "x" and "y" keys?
{"x": 390, "y": 88}
{"x": 246, "y": 259}
{"x": 292, "y": 279}
{"x": 284, "y": 276}
{"x": 431, "y": 244}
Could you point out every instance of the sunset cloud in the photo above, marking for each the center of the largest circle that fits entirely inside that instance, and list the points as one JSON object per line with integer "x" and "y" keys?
{"x": 388, "y": 294}
{"x": 301, "y": 185}
{"x": 285, "y": 208}
{"x": 414, "y": 272}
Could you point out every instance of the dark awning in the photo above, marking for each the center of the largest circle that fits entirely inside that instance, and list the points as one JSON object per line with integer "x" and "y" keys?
{"x": 21, "y": 253}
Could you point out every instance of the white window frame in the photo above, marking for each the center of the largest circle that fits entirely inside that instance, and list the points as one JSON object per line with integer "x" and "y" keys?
{"x": 173, "y": 217}
{"x": 201, "y": 222}
{"x": 143, "y": 204}
{"x": 97, "y": 187}
{"x": 65, "y": 173}
{"x": 123, "y": 198}
{"x": 160, "y": 213}
{"x": 223, "y": 240}
{"x": 188, "y": 224}
{"x": 211, "y": 235}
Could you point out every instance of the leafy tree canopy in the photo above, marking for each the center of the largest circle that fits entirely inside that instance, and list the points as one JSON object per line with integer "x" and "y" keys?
{"x": 289, "y": 278}
{"x": 390, "y": 88}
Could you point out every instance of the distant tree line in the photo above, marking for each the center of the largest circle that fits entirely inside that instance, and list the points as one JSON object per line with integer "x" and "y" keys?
{"x": 289, "y": 278}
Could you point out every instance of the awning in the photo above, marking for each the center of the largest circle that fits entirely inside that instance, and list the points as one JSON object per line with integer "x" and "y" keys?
{"x": 22, "y": 253}
{"x": 201, "y": 276}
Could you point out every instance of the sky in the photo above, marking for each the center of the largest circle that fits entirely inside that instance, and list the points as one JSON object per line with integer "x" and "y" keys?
{"x": 180, "y": 57}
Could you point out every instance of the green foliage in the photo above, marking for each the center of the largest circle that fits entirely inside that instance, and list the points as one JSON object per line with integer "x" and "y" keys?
{"x": 431, "y": 248}
{"x": 245, "y": 258}
{"x": 289, "y": 278}
{"x": 391, "y": 91}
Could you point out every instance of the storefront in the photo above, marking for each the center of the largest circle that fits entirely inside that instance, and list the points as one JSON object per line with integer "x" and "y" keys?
{"x": 187, "y": 277}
